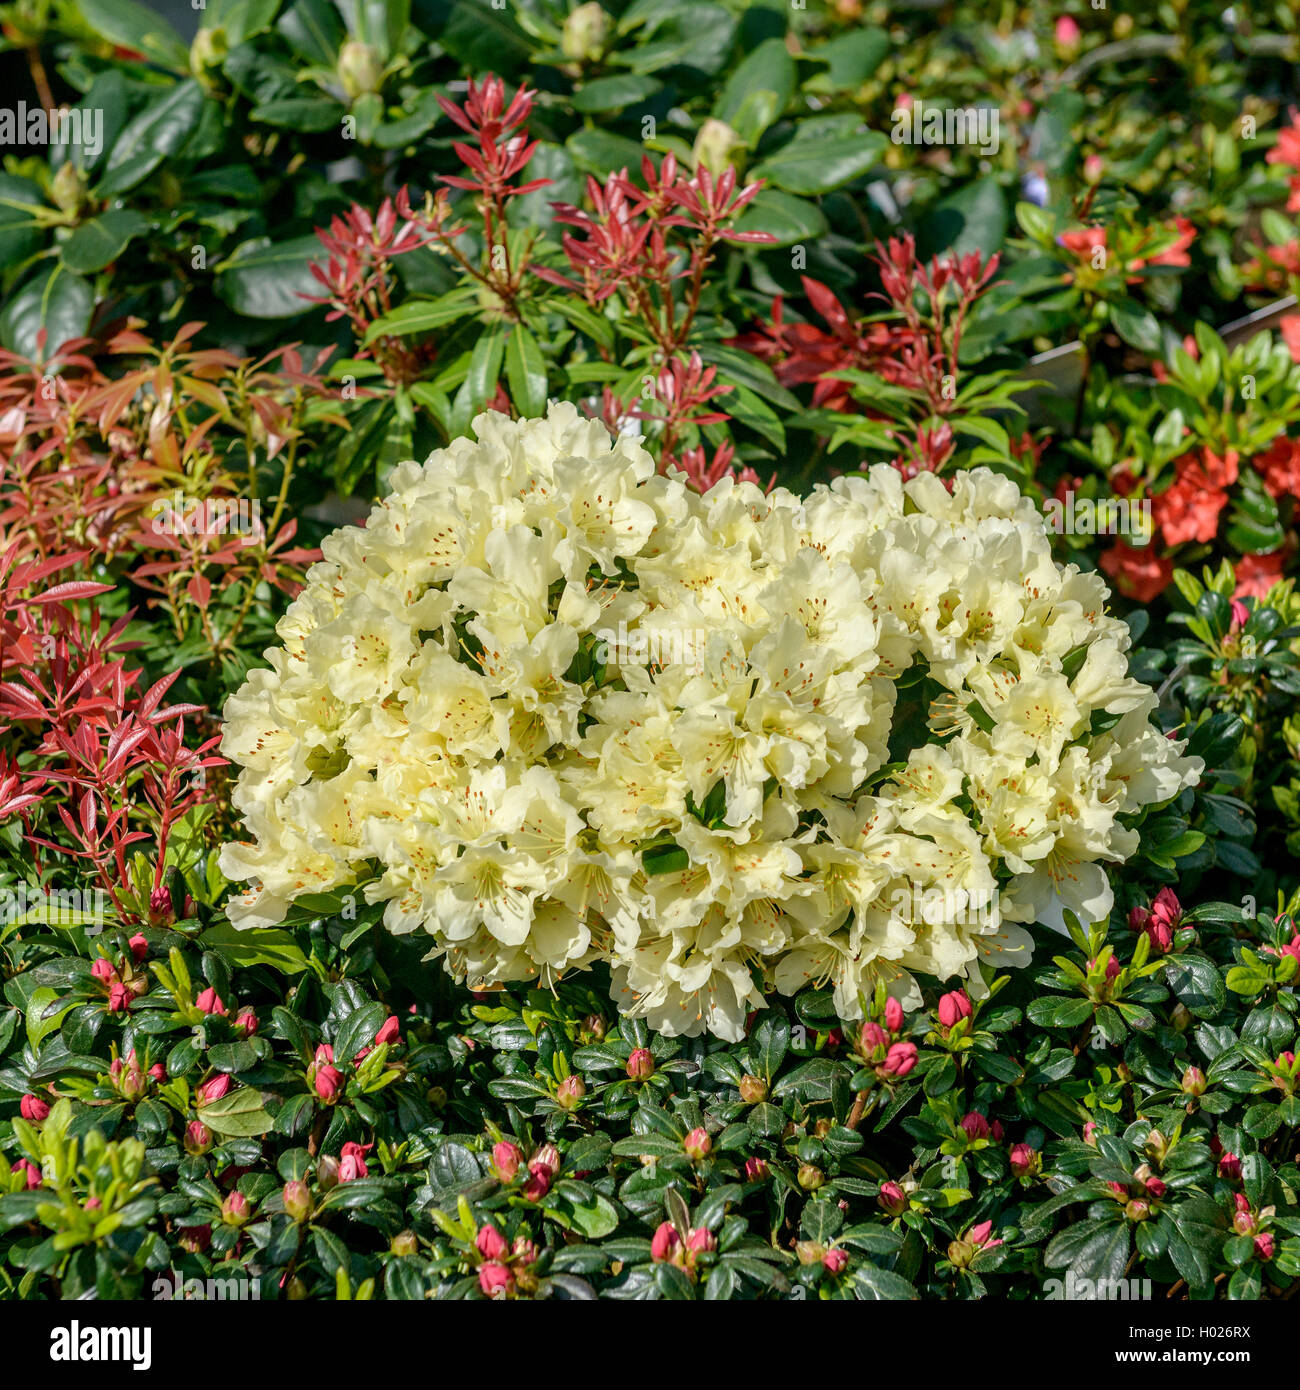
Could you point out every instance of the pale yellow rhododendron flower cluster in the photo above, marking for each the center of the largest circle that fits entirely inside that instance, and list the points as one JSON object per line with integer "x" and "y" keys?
{"x": 551, "y": 707}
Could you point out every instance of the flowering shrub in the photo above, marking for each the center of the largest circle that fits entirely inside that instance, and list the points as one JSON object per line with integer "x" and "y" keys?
{"x": 840, "y": 739}
{"x": 756, "y": 856}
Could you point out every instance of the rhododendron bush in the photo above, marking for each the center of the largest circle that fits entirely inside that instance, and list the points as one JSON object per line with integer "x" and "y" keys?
{"x": 851, "y": 700}
{"x": 632, "y": 669}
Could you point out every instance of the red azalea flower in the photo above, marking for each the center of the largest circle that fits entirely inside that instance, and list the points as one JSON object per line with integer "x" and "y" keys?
{"x": 1139, "y": 574}
{"x": 1279, "y": 465}
{"x": 1256, "y": 574}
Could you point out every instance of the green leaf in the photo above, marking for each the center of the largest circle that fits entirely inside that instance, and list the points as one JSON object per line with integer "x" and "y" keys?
{"x": 300, "y": 113}
{"x": 769, "y": 1043}
{"x": 267, "y": 280}
{"x": 1197, "y": 984}
{"x": 238, "y": 1114}
{"x": 20, "y": 232}
{"x": 820, "y": 165}
{"x": 158, "y": 132}
{"x": 595, "y": 1219}
{"x": 1136, "y": 325}
{"x": 131, "y": 25}
{"x": 102, "y": 240}
{"x": 481, "y": 382}
{"x": 57, "y": 302}
{"x": 525, "y": 372}
{"x": 972, "y": 219}
{"x": 769, "y": 68}
{"x": 256, "y": 946}
{"x": 40, "y": 1024}
{"x": 852, "y": 57}
{"x": 614, "y": 93}
{"x": 783, "y": 216}
{"x": 601, "y": 152}
{"x": 314, "y": 31}
{"x": 423, "y": 315}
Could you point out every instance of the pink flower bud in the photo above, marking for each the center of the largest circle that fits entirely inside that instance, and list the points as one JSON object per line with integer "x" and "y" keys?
{"x": 119, "y": 999}
{"x": 195, "y": 1239}
{"x": 102, "y": 970}
{"x": 32, "y": 1174}
{"x": 495, "y": 1280}
{"x": 1025, "y": 1161}
{"x": 209, "y": 1002}
{"x": 491, "y": 1244}
{"x": 158, "y": 1072}
{"x": 995, "y": 1131}
{"x": 198, "y": 1138}
{"x": 212, "y": 1090}
{"x": 139, "y": 947}
{"x": 235, "y": 1210}
{"x": 893, "y": 1015}
{"x": 1089, "y": 1133}
{"x": 131, "y": 1085}
{"x": 1194, "y": 1082}
{"x": 1162, "y": 937}
{"x": 1230, "y": 1167}
{"x": 641, "y": 1064}
{"x": 1264, "y": 1246}
{"x": 892, "y": 1199}
{"x": 975, "y": 1125}
{"x": 390, "y": 1031}
{"x": 752, "y": 1089}
{"x": 1093, "y": 168}
{"x": 524, "y": 1251}
{"x": 697, "y": 1144}
{"x": 1240, "y": 613}
{"x": 539, "y": 1182}
{"x": 701, "y": 1241}
{"x": 1167, "y": 907}
{"x": 835, "y": 1261}
{"x": 1156, "y": 1188}
{"x": 352, "y": 1162}
{"x": 1068, "y": 32}
{"x": 953, "y": 1008}
{"x": 756, "y": 1170}
{"x": 246, "y": 1023}
{"x": 979, "y": 1235}
{"x": 871, "y": 1037}
{"x": 664, "y": 1242}
{"x": 297, "y": 1199}
{"x": 33, "y": 1109}
{"x": 900, "y": 1059}
{"x": 570, "y": 1092}
{"x": 506, "y": 1160}
{"x": 1138, "y": 917}
{"x": 327, "y": 1172}
{"x": 328, "y": 1083}
{"x": 547, "y": 1157}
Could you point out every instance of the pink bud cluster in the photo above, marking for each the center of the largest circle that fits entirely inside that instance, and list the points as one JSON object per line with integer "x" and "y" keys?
{"x": 668, "y": 1247}
{"x": 1160, "y": 921}
{"x": 880, "y": 1047}
{"x": 542, "y": 1168}
{"x": 327, "y": 1080}
{"x": 505, "y": 1270}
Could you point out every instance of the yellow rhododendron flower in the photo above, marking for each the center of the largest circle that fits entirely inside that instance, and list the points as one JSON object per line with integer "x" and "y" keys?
{"x": 550, "y": 708}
